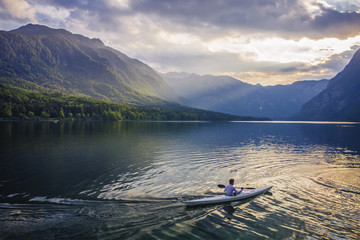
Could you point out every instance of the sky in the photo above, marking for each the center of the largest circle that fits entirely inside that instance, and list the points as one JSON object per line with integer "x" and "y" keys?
{"x": 256, "y": 41}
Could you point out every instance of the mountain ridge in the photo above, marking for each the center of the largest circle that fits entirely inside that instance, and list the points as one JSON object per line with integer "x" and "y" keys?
{"x": 53, "y": 73}
{"x": 71, "y": 63}
{"x": 340, "y": 101}
{"x": 230, "y": 95}
{"x": 37, "y": 57}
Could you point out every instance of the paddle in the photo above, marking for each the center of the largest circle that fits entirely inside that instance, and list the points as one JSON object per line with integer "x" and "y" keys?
{"x": 223, "y": 186}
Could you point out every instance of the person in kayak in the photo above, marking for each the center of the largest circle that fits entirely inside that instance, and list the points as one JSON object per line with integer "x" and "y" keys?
{"x": 230, "y": 190}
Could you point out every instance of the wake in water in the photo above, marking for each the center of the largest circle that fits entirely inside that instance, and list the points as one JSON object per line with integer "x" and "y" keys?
{"x": 111, "y": 181}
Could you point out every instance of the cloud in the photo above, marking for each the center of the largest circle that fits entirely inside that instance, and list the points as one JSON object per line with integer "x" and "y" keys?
{"x": 19, "y": 9}
{"x": 213, "y": 18}
{"x": 333, "y": 23}
{"x": 255, "y": 41}
{"x": 262, "y": 48}
{"x": 336, "y": 62}
{"x": 281, "y": 17}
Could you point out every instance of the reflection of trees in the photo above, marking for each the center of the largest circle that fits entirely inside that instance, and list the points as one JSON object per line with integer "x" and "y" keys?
{"x": 70, "y": 156}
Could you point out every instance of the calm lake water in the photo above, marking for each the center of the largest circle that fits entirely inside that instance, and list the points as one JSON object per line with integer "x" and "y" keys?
{"x": 125, "y": 180}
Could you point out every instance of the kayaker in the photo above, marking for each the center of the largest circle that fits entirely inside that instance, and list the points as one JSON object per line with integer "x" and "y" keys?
{"x": 230, "y": 190}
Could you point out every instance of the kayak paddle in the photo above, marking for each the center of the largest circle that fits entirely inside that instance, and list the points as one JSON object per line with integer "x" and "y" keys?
{"x": 223, "y": 186}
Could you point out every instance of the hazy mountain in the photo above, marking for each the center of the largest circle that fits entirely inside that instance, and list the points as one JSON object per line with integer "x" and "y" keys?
{"x": 340, "y": 101}
{"x": 35, "y": 56}
{"x": 229, "y": 95}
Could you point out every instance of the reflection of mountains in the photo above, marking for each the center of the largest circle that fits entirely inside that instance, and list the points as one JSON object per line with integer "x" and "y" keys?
{"x": 298, "y": 134}
{"x": 333, "y": 135}
{"x": 147, "y": 136}
{"x": 76, "y": 156}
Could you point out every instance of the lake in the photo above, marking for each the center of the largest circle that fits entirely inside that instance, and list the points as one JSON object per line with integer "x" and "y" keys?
{"x": 125, "y": 180}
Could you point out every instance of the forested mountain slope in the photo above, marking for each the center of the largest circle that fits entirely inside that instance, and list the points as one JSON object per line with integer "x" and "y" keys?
{"x": 57, "y": 60}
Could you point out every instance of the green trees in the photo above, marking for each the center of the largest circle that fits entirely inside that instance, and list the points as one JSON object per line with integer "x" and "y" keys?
{"x": 61, "y": 113}
{"x": 7, "y": 110}
{"x": 44, "y": 114}
{"x": 24, "y": 104}
{"x": 111, "y": 115}
{"x": 31, "y": 114}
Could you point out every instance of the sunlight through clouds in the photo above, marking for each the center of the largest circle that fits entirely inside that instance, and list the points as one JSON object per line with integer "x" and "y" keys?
{"x": 55, "y": 14}
{"x": 120, "y": 3}
{"x": 179, "y": 38}
{"x": 284, "y": 50}
{"x": 255, "y": 41}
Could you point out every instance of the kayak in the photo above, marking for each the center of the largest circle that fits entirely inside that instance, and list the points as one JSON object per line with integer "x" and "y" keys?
{"x": 224, "y": 199}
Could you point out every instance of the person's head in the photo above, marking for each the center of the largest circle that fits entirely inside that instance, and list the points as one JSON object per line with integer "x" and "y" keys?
{"x": 231, "y": 181}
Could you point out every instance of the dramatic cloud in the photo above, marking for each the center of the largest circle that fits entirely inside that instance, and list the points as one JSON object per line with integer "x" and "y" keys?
{"x": 284, "y": 17}
{"x": 259, "y": 41}
{"x": 18, "y": 9}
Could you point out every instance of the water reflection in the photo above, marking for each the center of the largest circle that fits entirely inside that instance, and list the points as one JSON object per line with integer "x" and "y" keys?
{"x": 229, "y": 209}
{"x": 101, "y": 175}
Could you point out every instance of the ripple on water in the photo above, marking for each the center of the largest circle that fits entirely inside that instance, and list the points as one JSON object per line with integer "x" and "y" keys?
{"x": 126, "y": 185}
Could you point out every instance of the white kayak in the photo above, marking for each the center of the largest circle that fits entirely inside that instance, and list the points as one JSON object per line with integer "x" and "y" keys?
{"x": 224, "y": 199}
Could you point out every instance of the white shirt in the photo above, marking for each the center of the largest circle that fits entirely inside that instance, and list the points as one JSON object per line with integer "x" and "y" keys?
{"x": 230, "y": 189}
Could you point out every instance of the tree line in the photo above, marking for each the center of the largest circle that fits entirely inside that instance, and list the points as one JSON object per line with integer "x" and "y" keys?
{"x": 17, "y": 103}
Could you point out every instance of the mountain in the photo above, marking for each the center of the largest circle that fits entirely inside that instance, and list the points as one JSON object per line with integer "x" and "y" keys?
{"x": 52, "y": 73}
{"x": 230, "y": 95}
{"x": 340, "y": 101}
{"x": 55, "y": 60}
